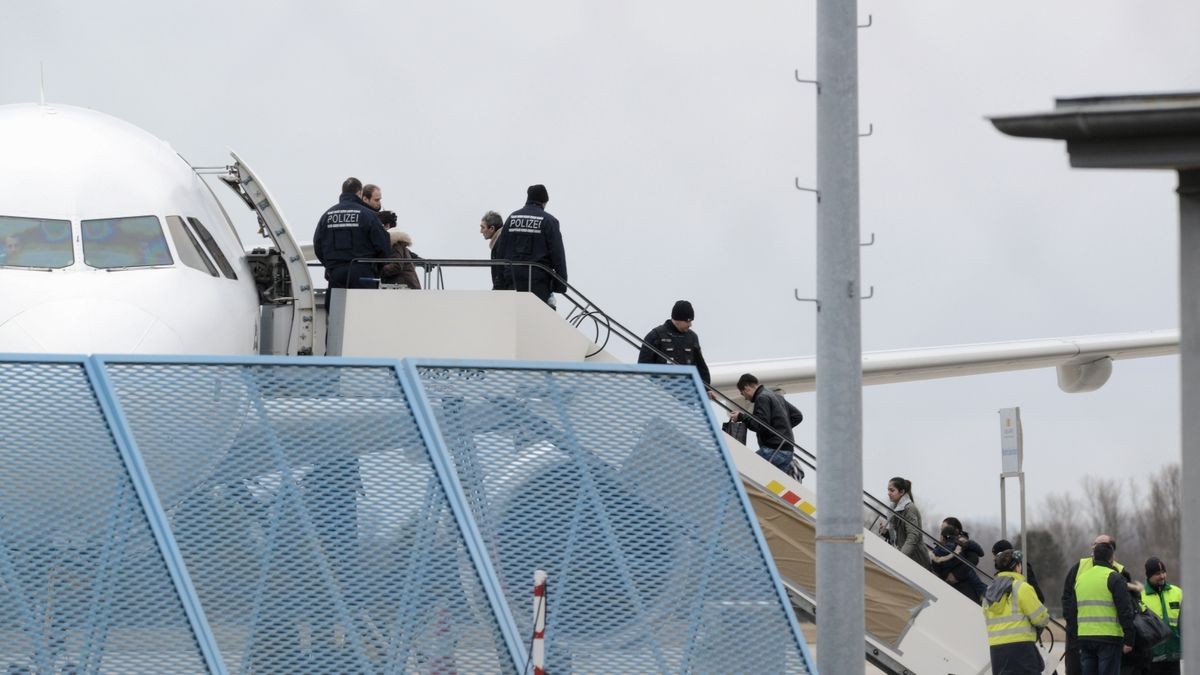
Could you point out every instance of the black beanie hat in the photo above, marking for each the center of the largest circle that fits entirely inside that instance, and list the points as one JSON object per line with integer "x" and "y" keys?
{"x": 1154, "y": 566}
{"x": 537, "y": 193}
{"x": 682, "y": 311}
{"x": 1002, "y": 545}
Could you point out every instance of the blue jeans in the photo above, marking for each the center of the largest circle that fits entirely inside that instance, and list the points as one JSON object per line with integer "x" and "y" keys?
{"x": 1100, "y": 658}
{"x": 781, "y": 458}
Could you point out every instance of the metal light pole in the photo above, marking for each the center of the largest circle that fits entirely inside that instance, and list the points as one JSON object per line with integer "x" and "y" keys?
{"x": 840, "y": 615}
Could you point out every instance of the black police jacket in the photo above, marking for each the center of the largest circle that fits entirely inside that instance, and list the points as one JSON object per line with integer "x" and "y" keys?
{"x": 682, "y": 347}
{"x": 350, "y": 230}
{"x": 532, "y": 234}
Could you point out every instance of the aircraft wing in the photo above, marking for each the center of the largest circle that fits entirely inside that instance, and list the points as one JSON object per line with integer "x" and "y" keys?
{"x": 1083, "y": 363}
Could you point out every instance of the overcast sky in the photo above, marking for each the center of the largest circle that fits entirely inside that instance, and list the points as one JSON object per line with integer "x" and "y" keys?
{"x": 669, "y": 134}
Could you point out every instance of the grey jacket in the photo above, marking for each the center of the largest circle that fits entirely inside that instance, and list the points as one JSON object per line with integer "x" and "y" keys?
{"x": 905, "y": 527}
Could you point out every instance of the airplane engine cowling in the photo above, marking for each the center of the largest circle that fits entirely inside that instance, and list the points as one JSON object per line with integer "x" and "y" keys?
{"x": 1084, "y": 377}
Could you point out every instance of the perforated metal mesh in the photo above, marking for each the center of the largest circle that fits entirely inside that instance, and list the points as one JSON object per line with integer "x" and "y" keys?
{"x": 83, "y": 585}
{"x": 310, "y": 517}
{"x": 614, "y": 484}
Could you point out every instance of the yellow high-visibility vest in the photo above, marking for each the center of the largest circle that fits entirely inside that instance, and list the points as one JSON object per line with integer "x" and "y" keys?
{"x": 1017, "y": 615}
{"x": 1097, "y": 613}
{"x": 1086, "y": 564}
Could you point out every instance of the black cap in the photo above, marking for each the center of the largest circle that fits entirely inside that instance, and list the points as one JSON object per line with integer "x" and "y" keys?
{"x": 387, "y": 218}
{"x": 1154, "y": 566}
{"x": 1103, "y": 551}
{"x": 682, "y": 311}
{"x": 1002, "y": 545}
{"x": 537, "y": 193}
{"x": 1007, "y": 560}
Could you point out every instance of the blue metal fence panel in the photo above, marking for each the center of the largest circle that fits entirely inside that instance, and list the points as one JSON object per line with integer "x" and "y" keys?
{"x": 613, "y": 481}
{"x": 313, "y": 522}
{"x": 84, "y": 584}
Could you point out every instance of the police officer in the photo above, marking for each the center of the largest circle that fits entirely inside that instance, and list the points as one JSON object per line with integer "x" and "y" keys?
{"x": 1014, "y": 617}
{"x": 676, "y": 339}
{"x": 530, "y": 234}
{"x": 348, "y": 230}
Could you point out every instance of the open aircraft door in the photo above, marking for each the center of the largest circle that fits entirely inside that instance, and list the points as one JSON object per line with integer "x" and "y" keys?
{"x": 284, "y": 283}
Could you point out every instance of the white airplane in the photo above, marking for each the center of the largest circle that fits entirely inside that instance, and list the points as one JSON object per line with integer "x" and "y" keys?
{"x": 112, "y": 243}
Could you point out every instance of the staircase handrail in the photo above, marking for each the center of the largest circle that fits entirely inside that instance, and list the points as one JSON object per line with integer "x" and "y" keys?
{"x": 591, "y": 309}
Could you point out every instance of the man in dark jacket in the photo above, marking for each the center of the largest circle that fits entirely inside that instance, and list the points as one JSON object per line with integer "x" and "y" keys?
{"x": 1071, "y": 658}
{"x": 490, "y": 227}
{"x": 676, "y": 340}
{"x": 347, "y": 231}
{"x": 1099, "y": 608}
{"x": 1006, "y": 545}
{"x": 777, "y": 417}
{"x": 532, "y": 235}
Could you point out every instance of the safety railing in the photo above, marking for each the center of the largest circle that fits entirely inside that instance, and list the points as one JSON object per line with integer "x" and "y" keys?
{"x": 605, "y": 326}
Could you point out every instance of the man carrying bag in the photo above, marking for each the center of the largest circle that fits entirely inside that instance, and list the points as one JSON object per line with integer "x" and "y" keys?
{"x": 772, "y": 420}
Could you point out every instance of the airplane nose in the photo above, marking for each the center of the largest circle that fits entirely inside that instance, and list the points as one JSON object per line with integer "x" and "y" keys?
{"x": 88, "y": 326}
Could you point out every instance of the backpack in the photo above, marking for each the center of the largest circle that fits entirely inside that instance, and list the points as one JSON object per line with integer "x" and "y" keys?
{"x": 794, "y": 415}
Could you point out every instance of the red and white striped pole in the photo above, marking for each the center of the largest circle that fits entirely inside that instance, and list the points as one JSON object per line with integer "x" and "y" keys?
{"x": 537, "y": 656}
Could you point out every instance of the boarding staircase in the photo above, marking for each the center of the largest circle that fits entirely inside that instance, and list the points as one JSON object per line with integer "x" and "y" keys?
{"x": 915, "y": 623}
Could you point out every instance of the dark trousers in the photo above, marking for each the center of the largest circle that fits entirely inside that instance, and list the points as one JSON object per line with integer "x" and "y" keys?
{"x": 535, "y": 281}
{"x": 1164, "y": 668}
{"x": 1017, "y": 658}
{"x": 1071, "y": 658}
{"x": 345, "y": 275}
{"x": 1100, "y": 658}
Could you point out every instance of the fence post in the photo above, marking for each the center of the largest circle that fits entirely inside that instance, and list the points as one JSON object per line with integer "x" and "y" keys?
{"x": 537, "y": 651}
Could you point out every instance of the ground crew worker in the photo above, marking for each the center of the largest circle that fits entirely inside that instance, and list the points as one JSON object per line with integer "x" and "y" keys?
{"x": 1164, "y": 600}
{"x": 1101, "y": 610}
{"x": 347, "y": 231}
{"x": 1014, "y": 618}
{"x": 1071, "y": 658}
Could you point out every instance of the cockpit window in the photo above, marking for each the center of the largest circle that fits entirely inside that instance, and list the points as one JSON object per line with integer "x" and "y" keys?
{"x": 213, "y": 248}
{"x": 35, "y": 242}
{"x": 187, "y": 246}
{"x": 124, "y": 242}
